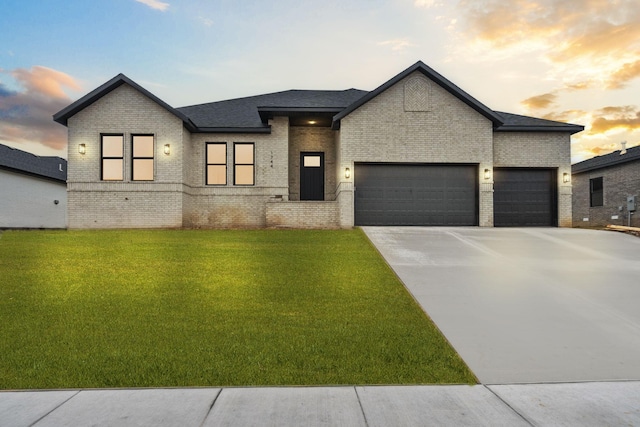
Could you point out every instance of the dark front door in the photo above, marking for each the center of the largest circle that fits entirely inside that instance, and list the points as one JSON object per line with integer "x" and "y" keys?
{"x": 311, "y": 176}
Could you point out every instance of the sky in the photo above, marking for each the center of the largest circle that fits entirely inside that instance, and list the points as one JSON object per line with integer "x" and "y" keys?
{"x": 576, "y": 61}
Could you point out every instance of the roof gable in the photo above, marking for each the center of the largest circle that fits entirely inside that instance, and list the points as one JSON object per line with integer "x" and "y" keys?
{"x": 435, "y": 77}
{"x": 63, "y": 115}
{"x": 21, "y": 161}
{"x": 611, "y": 159}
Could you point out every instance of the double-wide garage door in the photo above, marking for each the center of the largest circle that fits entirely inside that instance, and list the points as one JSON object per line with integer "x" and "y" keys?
{"x": 416, "y": 194}
{"x": 432, "y": 195}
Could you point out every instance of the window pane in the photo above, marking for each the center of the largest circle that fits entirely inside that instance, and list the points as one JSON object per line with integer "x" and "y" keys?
{"x": 244, "y": 175}
{"x": 143, "y": 146}
{"x": 112, "y": 146}
{"x": 311, "y": 161}
{"x": 217, "y": 175}
{"x": 217, "y": 153}
{"x": 112, "y": 169}
{"x": 244, "y": 154}
{"x": 143, "y": 169}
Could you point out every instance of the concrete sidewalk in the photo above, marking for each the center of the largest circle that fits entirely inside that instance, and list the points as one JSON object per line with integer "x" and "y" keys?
{"x": 567, "y": 404}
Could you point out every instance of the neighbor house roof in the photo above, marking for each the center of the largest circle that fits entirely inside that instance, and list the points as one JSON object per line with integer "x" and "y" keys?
{"x": 63, "y": 115}
{"x": 20, "y": 161}
{"x": 611, "y": 159}
{"x": 251, "y": 114}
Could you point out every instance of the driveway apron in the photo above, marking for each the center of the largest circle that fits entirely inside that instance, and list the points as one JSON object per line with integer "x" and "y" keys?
{"x": 526, "y": 305}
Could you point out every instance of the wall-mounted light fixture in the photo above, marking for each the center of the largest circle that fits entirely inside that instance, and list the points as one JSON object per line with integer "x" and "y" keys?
{"x": 347, "y": 173}
{"x": 487, "y": 174}
{"x": 167, "y": 149}
{"x": 566, "y": 177}
{"x": 82, "y": 148}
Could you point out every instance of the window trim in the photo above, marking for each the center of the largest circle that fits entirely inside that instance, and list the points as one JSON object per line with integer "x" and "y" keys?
{"x": 103, "y": 158}
{"x": 253, "y": 164}
{"x": 133, "y": 158}
{"x": 207, "y": 164}
{"x": 599, "y": 192}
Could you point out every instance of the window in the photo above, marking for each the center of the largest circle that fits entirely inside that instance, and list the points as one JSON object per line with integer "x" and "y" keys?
{"x": 243, "y": 164}
{"x": 216, "y": 163}
{"x": 142, "y": 161}
{"x": 112, "y": 147}
{"x": 596, "y": 192}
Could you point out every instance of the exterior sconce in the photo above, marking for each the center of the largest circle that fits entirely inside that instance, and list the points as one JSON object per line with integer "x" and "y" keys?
{"x": 566, "y": 178}
{"x": 487, "y": 174}
{"x": 347, "y": 173}
{"x": 167, "y": 149}
{"x": 82, "y": 148}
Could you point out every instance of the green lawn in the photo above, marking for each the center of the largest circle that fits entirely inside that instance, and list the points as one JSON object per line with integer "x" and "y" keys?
{"x": 210, "y": 308}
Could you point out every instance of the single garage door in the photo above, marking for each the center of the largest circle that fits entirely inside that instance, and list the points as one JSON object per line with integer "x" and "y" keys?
{"x": 416, "y": 194}
{"x": 525, "y": 197}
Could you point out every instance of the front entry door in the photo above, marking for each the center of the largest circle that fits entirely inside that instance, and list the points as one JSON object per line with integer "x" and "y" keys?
{"x": 311, "y": 176}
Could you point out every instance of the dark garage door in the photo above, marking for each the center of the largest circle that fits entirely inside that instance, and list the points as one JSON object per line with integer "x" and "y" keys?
{"x": 525, "y": 198}
{"x": 415, "y": 194}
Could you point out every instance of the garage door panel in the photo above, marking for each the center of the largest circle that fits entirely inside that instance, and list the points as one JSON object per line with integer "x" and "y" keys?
{"x": 411, "y": 194}
{"x": 524, "y": 197}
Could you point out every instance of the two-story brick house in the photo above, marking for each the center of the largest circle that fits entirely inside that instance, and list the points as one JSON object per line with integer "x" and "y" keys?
{"x": 417, "y": 150}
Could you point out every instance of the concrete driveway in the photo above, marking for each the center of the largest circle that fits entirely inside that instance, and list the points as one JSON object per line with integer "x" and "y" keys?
{"x": 526, "y": 305}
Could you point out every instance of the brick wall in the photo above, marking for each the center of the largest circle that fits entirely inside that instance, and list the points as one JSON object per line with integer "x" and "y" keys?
{"x": 618, "y": 182}
{"x": 308, "y": 138}
{"x": 229, "y": 206}
{"x": 97, "y": 204}
{"x": 428, "y": 127}
{"x": 302, "y": 214}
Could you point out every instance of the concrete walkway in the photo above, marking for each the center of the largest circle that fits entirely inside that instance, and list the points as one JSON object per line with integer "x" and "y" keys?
{"x": 583, "y": 404}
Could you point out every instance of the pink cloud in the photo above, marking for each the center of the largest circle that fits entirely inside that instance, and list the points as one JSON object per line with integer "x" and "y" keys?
{"x": 26, "y": 113}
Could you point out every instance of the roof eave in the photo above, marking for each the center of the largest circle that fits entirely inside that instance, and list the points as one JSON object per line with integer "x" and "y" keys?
{"x": 265, "y": 129}
{"x": 571, "y": 129}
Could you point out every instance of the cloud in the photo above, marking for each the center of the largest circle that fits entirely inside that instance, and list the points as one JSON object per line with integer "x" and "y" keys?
{"x": 424, "y": 3}
{"x": 155, "y": 4}
{"x": 397, "y": 45}
{"x": 626, "y": 73}
{"x": 541, "y": 101}
{"x": 615, "y": 118}
{"x": 26, "y": 113}
{"x": 592, "y": 41}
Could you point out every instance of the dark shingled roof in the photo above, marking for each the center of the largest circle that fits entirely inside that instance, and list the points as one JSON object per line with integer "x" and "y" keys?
{"x": 254, "y": 111}
{"x": 20, "y": 161}
{"x": 611, "y": 159}
{"x": 251, "y": 114}
{"x": 517, "y": 123}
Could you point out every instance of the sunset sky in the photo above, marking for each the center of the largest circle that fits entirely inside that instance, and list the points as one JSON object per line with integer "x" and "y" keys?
{"x": 568, "y": 60}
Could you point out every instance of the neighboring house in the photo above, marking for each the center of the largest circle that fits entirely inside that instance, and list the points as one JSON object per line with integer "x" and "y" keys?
{"x": 606, "y": 189}
{"x": 415, "y": 151}
{"x": 33, "y": 190}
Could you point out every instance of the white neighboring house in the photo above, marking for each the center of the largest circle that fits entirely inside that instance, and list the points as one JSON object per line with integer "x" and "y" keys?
{"x": 33, "y": 190}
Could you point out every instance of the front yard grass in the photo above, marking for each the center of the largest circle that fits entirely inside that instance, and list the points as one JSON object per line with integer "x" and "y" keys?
{"x": 165, "y": 308}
